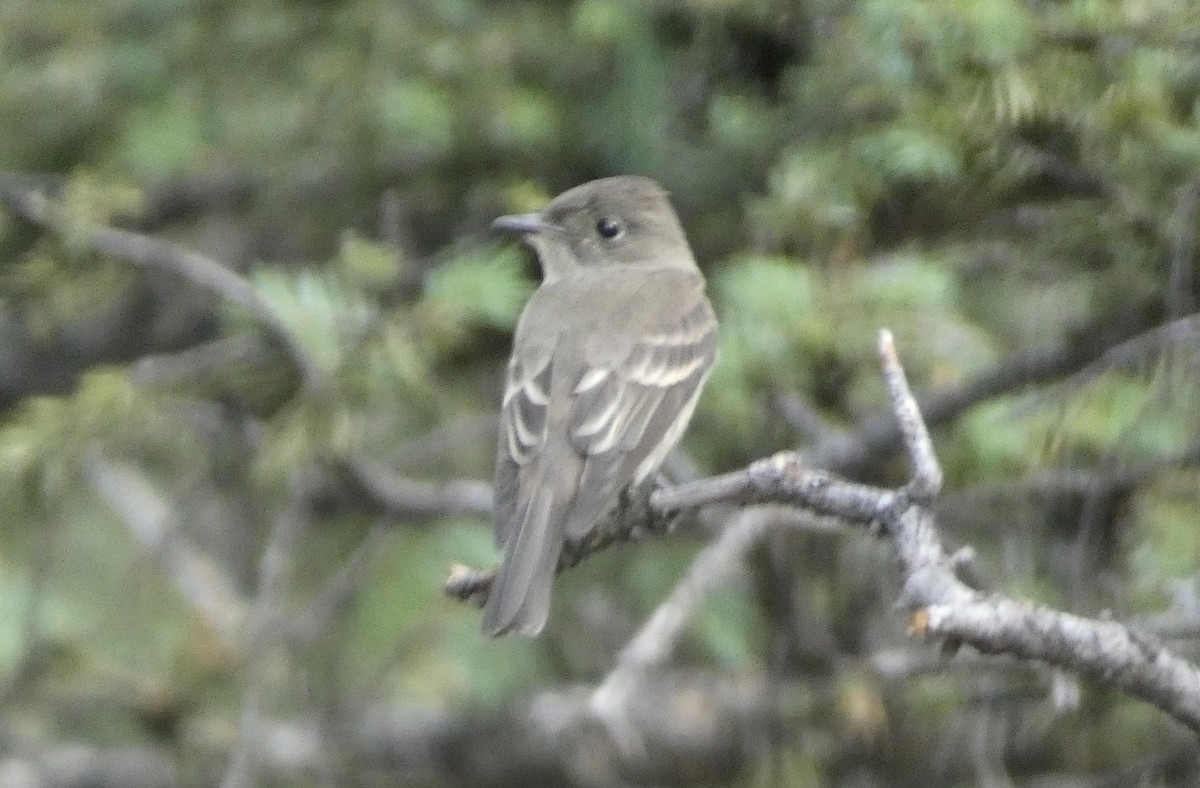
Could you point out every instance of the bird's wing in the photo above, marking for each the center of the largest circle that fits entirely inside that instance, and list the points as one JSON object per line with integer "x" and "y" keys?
{"x": 582, "y": 418}
{"x": 537, "y": 472}
{"x": 522, "y": 431}
{"x": 628, "y": 413}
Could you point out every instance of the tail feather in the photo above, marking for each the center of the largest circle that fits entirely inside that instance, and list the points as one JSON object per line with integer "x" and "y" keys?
{"x": 519, "y": 599}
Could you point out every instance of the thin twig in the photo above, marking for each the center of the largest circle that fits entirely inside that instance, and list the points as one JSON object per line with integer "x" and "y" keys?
{"x": 411, "y": 499}
{"x": 266, "y": 633}
{"x": 945, "y": 607}
{"x": 653, "y": 643}
{"x": 927, "y": 472}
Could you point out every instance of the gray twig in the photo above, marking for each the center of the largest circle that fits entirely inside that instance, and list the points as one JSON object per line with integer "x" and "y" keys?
{"x": 266, "y": 633}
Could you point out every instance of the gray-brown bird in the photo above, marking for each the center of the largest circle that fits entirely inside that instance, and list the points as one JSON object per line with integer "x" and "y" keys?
{"x": 608, "y": 361}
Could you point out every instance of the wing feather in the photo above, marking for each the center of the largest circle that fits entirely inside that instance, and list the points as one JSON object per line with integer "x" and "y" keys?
{"x": 522, "y": 431}
{"x": 582, "y": 421}
{"x": 637, "y": 412}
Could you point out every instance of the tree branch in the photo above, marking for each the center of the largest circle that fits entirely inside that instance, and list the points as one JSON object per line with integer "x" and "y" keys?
{"x": 941, "y": 605}
{"x": 944, "y": 606}
{"x": 148, "y": 252}
{"x": 410, "y": 499}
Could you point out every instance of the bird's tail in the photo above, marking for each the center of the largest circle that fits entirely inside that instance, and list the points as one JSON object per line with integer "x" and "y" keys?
{"x": 519, "y": 598}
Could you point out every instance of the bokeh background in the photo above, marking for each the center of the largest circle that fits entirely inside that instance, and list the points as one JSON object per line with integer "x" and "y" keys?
{"x": 202, "y": 575}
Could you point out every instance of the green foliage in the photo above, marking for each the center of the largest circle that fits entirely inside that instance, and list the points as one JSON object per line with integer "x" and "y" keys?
{"x": 480, "y": 288}
{"x": 1166, "y": 550}
{"x": 371, "y": 266}
{"x": 59, "y": 285}
{"x": 50, "y": 436}
{"x": 784, "y": 325}
{"x": 725, "y": 629}
{"x": 161, "y": 138}
{"x": 418, "y": 115}
{"x": 1000, "y": 445}
{"x": 403, "y": 628}
{"x": 1013, "y": 437}
{"x": 981, "y": 178}
{"x": 319, "y": 309}
{"x": 812, "y": 203}
{"x": 767, "y": 308}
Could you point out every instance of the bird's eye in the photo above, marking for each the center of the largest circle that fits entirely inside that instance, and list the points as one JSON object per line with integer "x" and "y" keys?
{"x": 609, "y": 228}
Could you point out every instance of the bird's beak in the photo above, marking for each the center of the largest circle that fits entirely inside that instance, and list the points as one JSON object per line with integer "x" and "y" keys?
{"x": 521, "y": 224}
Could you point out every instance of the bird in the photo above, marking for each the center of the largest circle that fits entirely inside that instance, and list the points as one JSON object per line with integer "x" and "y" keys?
{"x": 609, "y": 357}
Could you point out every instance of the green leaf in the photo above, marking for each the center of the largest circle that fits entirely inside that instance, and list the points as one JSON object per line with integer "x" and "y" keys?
{"x": 481, "y": 287}
{"x": 325, "y": 315}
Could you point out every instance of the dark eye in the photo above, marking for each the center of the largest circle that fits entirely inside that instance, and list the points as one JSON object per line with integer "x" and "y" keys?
{"x": 609, "y": 228}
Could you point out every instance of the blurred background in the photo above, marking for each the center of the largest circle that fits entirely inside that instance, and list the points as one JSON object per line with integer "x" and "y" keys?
{"x": 227, "y": 506}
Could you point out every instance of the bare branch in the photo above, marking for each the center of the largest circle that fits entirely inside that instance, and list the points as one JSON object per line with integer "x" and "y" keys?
{"x": 781, "y": 479}
{"x": 409, "y": 499}
{"x": 946, "y": 607}
{"x": 927, "y": 473}
{"x": 941, "y": 604}
{"x": 712, "y": 724}
{"x": 67, "y": 765}
{"x": 1105, "y": 650}
{"x": 148, "y": 252}
{"x": 1137, "y": 349}
{"x": 804, "y": 417}
{"x": 709, "y": 722}
{"x": 653, "y": 644}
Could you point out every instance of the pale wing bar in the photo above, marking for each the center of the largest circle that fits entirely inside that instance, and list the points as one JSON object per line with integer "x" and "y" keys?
{"x": 523, "y": 413}
{"x": 613, "y": 406}
{"x": 522, "y": 430}
{"x": 625, "y": 414}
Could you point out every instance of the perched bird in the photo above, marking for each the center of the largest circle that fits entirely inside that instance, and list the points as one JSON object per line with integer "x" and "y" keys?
{"x": 608, "y": 361}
